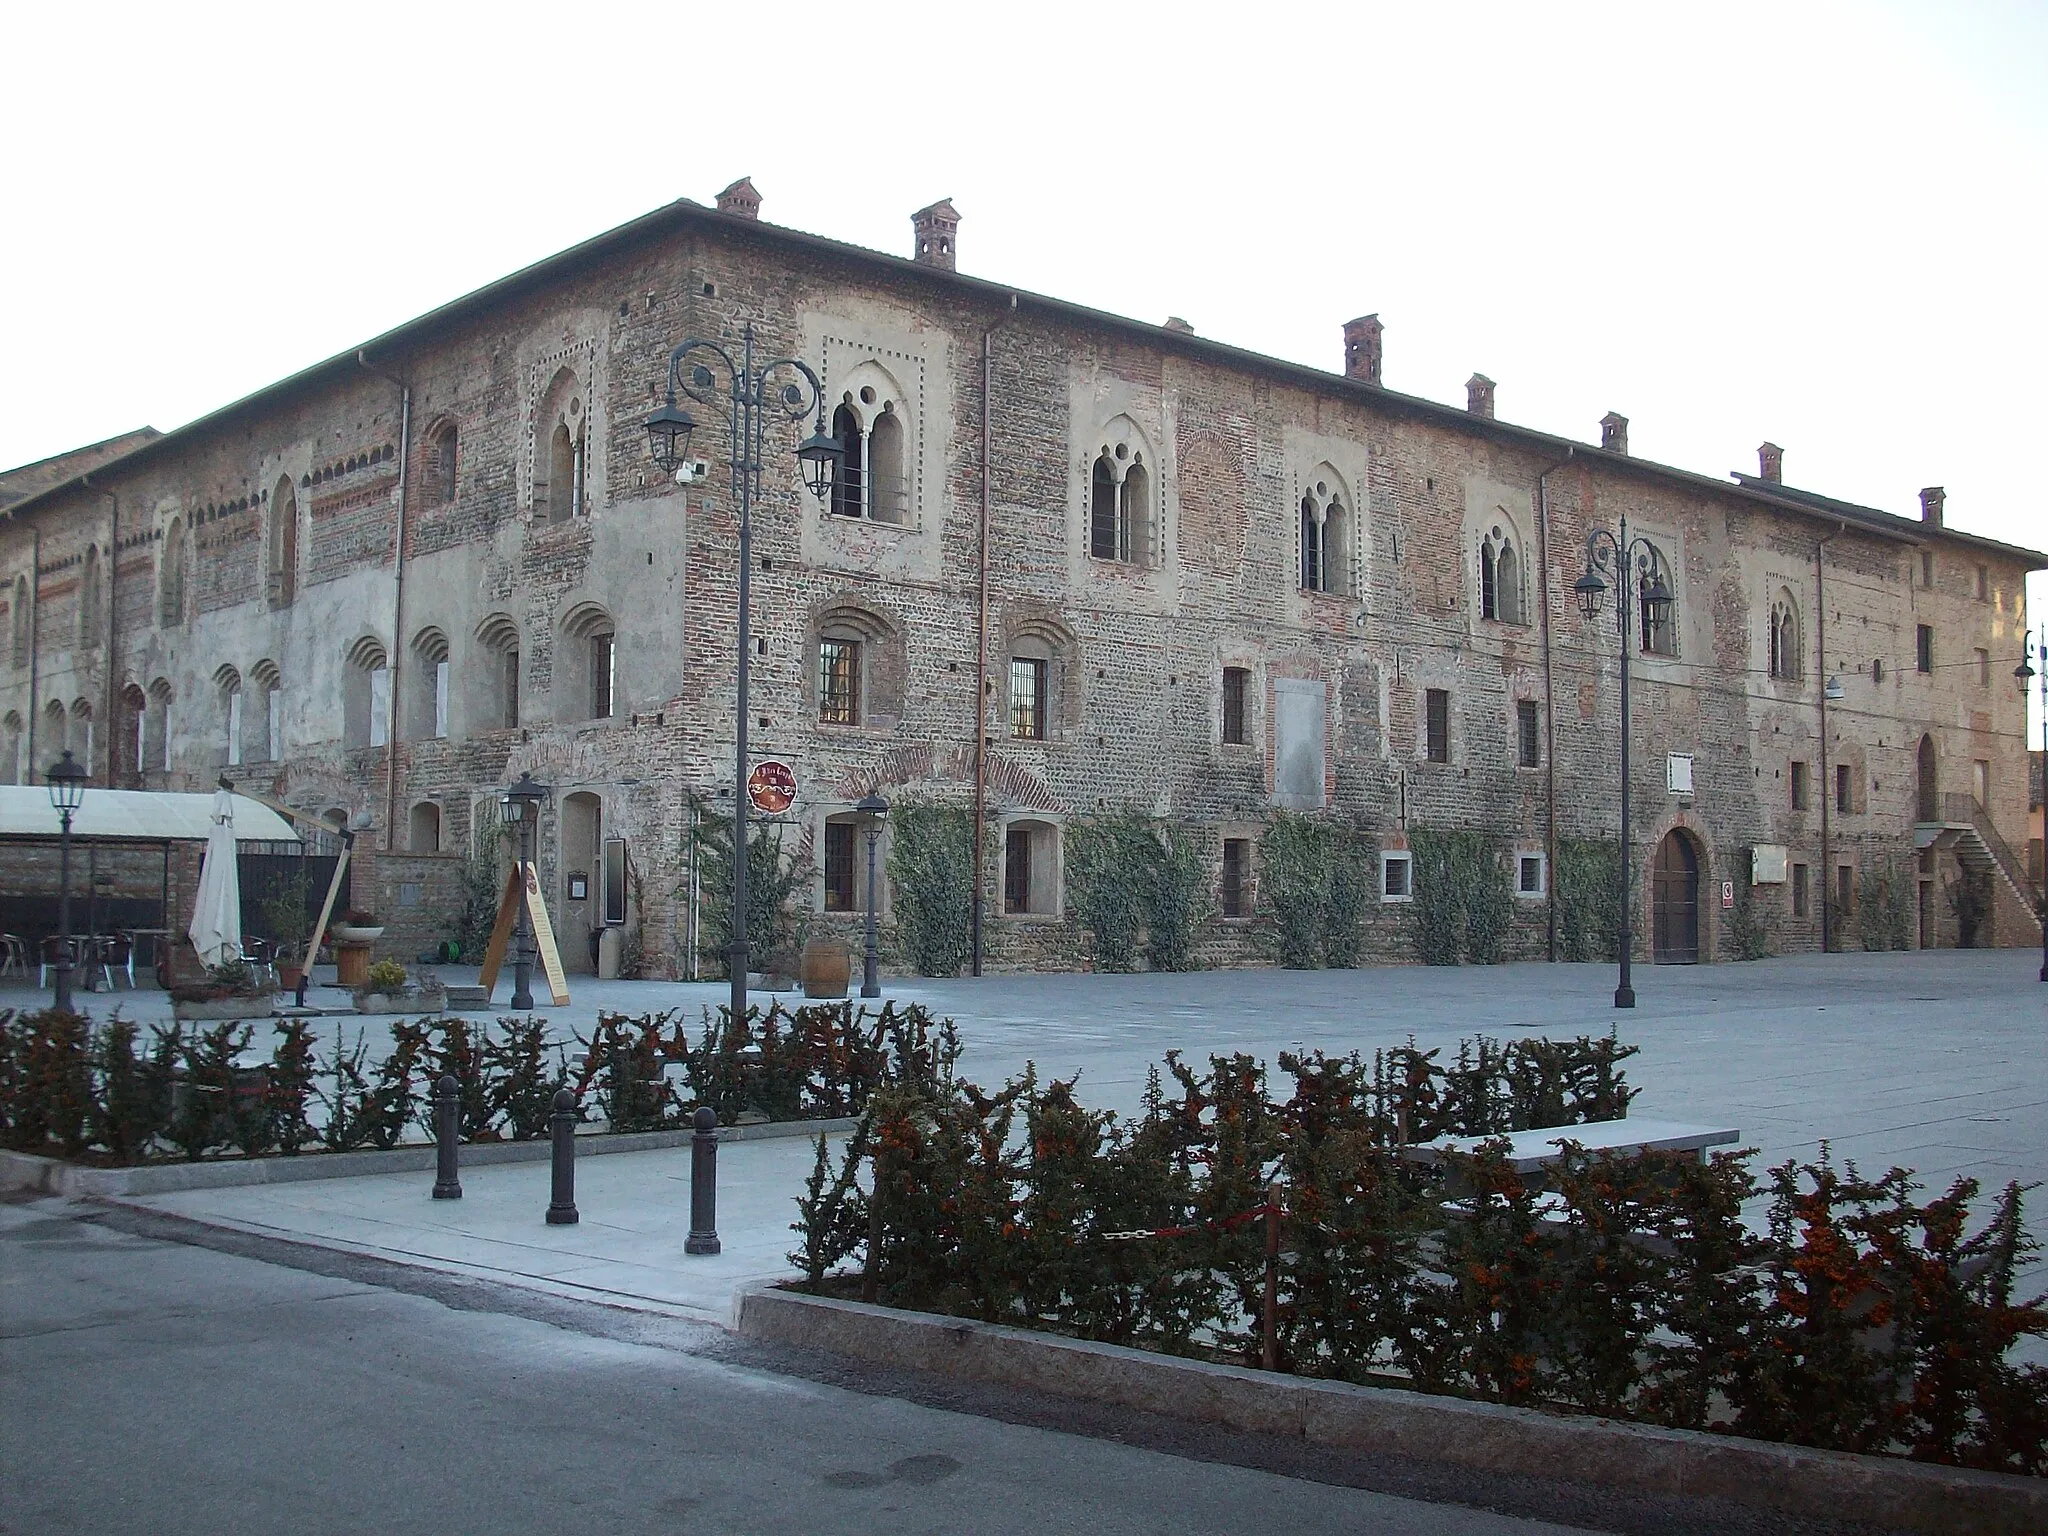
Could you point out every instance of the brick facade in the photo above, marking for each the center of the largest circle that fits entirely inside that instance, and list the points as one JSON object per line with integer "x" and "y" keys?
{"x": 547, "y": 548}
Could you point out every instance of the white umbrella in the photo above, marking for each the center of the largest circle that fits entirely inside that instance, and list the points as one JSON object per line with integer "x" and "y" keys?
{"x": 217, "y": 913}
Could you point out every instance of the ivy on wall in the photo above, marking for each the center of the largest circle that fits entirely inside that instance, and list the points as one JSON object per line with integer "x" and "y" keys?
{"x": 931, "y": 873}
{"x": 1884, "y": 913}
{"x": 1586, "y": 885}
{"x": 775, "y": 924}
{"x": 1749, "y": 931}
{"x": 1313, "y": 875}
{"x": 1463, "y": 901}
{"x": 1136, "y": 886}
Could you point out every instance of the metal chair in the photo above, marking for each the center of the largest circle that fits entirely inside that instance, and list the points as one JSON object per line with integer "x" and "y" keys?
{"x": 50, "y": 955}
{"x": 13, "y": 955}
{"x": 112, "y": 952}
{"x": 256, "y": 955}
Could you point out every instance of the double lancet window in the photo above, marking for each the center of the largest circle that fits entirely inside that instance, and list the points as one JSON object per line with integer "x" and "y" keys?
{"x": 560, "y": 439}
{"x": 1500, "y": 577}
{"x": 1784, "y": 639}
{"x": 1325, "y": 539}
{"x": 1122, "y": 506}
{"x": 872, "y": 480}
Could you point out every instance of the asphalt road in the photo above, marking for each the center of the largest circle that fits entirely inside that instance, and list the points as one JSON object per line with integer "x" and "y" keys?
{"x": 155, "y": 1378}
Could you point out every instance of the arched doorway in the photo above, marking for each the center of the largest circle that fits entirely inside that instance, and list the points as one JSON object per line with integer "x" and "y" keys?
{"x": 1675, "y": 902}
{"x": 1930, "y": 802}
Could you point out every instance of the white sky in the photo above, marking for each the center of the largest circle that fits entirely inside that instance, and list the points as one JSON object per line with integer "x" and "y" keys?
{"x": 1819, "y": 224}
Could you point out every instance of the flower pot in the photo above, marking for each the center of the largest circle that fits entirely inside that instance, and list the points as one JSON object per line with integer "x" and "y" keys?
{"x": 348, "y": 933}
{"x": 288, "y": 978}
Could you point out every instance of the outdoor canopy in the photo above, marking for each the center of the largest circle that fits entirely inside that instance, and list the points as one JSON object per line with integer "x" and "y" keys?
{"x": 136, "y": 815}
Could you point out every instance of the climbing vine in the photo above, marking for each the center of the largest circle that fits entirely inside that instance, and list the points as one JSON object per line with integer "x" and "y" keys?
{"x": 1136, "y": 886}
{"x": 1586, "y": 885}
{"x": 1463, "y": 902}
{"x": 1883, "y": 906}
{"x": 774, "y": 924}
{"x": 931, "y": 872}
{"x": 1312, "y": 883}
{"x": 1749, "y": 934}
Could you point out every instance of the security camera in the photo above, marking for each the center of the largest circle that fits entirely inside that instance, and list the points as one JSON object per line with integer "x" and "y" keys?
{"x": 692, "y": 470}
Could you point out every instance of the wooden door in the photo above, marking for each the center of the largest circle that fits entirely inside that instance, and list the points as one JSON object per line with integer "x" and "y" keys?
{"x": 1675, "y": 902}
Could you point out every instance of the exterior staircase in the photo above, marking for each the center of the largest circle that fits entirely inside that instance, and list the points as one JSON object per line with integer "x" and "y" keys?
{"x": 1967, "y": 832}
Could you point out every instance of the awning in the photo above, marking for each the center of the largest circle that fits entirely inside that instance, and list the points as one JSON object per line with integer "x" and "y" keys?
{"x": 136, "y": 815}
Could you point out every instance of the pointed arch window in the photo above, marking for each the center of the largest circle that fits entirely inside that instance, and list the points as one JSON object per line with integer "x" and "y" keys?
{"x": 1500, "y": 576}
{"x": 283, "y": 580}
{"x": 11, "y": 745}
{"x": 171, "y": 583}
{"x": 1325, "y": 539}
{"x": 156, "y": 735}
{"x": 91, "y": 617}
{"x": 266, "y": 730}
{"x": 560, "y": 438}
{"x": 440, "y": 465}
{"x": 1120, "y": 505}
{"x": 24, "y": 622}
{"x": 873, "y": 478}
{"x": 229, "y": 682}
{"x": 1784, "y": 639}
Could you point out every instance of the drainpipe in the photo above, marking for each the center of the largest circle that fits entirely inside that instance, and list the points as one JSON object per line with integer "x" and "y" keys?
{"x": 397, "y": 600}
{"x": 35, "y": 645}
{"x": 981, "y": 648}
{"x": 1549, "y": 705}
{"x": 113, "y": 604}
{"x": 1827, "y": 783}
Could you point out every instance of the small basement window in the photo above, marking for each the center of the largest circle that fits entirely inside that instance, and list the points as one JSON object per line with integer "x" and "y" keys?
{"x": 1529, "y": 882}
{"x": 1396, "y": 877}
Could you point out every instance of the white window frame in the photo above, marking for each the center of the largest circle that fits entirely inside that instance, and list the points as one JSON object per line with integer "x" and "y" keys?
{"x": 1542, "y": 874}
{"x": 1392, "y": 856}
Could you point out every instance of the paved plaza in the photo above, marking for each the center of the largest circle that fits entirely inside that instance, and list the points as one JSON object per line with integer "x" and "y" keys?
{"x": 1931, "y": 1060}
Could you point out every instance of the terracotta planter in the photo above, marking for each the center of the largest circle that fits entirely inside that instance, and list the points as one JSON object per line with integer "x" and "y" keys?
{"x": 827, "y": 967}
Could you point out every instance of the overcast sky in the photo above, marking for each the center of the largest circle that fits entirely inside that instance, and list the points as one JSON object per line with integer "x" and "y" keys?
{"x": 1818, "y": 224}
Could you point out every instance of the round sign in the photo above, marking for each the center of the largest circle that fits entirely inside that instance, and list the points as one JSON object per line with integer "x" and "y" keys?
{"x": 771, "y": 787}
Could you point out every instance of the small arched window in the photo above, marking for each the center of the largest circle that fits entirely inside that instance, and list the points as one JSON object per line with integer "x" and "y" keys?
{"x": 588, "y": 671}
{"x": 1784, "y": 639}
{"x": 90, "y": 613}
{"x": 11, "y": 746}
{"x": 495, "y": 695}
{"x": 1500, "y": 576}
{"x": 56, "y": 733}
{"x": 560, "y": 439}
{"x": 156, "y": 734}
{"x": 440, "y": 465}
{"x": 266, "y": 729}
{"x": 229, "y": 682}
{"x": 424, "y": 828}
{"x": 849, "y": 481}
{"x": 283, "y": 569}
{"x": 427, "y": 713}
{"x": 171, "y": 581}
{"x": 81, "y": 739}
{"x": 366, "y": 695}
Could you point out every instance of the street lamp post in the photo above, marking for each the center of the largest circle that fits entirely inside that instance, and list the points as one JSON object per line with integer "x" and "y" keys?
{"x": 752, "y": 396}
{"x": 874, "y": 811}
{"x": 520, "y": 808}
{"x": 1613, "y": 553}
{"x": 67, "y": 792}
{"x": 2023, "y": 674}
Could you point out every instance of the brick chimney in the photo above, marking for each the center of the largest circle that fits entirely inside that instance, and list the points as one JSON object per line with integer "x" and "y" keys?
{"x": 1614, "y": 432}
{"x": 937, "y": 229}
{"x": 1479, "y": 395}
{"x": 1931, "y": 500}
{"x": 1179, "y": 326}
{"x": 740, "y": 199}
{"x": 1770, "y": 463}
{"x": 1362, "y": 348}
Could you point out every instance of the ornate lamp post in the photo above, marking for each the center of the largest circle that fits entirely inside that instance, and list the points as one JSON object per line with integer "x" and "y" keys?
{"x": 520, "y": 808}
{"x": 2023, "y": 674}
{"x": 874, "y": 812}
{"x": 1633, "y": 565}
{"x": 67, "y": 779}
{"x": 752, "y": 396}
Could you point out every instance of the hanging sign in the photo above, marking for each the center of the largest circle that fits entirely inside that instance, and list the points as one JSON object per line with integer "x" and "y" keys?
{"x": 771, "y": 787}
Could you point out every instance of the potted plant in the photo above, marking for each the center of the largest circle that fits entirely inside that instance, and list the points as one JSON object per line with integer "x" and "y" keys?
{"x": 355, "y": 926}
{"x": 387, "y": 989}
{"x": 217, "y": 992}
{"x": 288, "y": 922}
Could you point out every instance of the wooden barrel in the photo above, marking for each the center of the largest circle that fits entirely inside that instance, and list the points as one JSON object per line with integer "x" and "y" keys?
{"x": 827, "y": 968}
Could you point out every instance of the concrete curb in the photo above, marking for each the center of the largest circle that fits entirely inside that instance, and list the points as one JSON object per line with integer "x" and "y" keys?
{"x": 53, "y": 1176}
{"x": 1791, "y": 1479}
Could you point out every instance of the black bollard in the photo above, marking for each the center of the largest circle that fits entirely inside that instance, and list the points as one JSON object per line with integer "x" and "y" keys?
{"x": 447, "y": 1126}
{"x": 703, "y": 1236}
{"x": 562, "y": 1207}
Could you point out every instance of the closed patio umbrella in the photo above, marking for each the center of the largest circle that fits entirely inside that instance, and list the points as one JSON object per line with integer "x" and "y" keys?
{"x": 217, "y": 913}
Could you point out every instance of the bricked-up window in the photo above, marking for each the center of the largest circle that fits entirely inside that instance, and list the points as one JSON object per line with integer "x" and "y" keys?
{"x": 586, "y": 666}
{"x": 21, "y": 616}
{"x": 1784, "y": 639}
{"x": 440, "y": 465}
{"x": 176, "y": 560}
{"x": 1236, "y": 888}
{"x": 1500, "y": 577}
{"x": 156, "y": 735}
{"x": 427, "y": 716}
{"x": 1980, "y": 781}
{"x": 1799, "y": 790}
{"x": 1528, "y": 735}
{"x": 282, "y": 570}
{"x": 1800, "y": 900}
{"x": 266, "y": 728}
{"x": 365, "y": 695}
{"x": 1236, "y": 683}
{"x": 1983, "y": 583}
{"x": 842, "y": 888}
{"x": 1926, "y": 567}
{"x": 839, "y": 682}
{"x": 1983, "y": 667}
{"x": 1843, "y": 782}
{"x": 91, "y": 620}
{"x": 11, "y": 747}
{"x": 1845, "y": 890}
{"x": 229, "y": 682}
{"x": 1027, "y": 698}
{"x": 1657, "y": 626}
{"x": 560, "y": 433}
{"x": 1924, "y": 648}
{"x": 81, "y": 738}
{"x": 498, "y": 676}
{"x": 1436, "y": 704}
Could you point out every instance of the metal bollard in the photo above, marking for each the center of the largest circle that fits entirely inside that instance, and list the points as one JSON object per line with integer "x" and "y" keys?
{"x": 703, "y": 1236}
{"x": 562, "y": 1207}
{"x": 447, "y": 1126}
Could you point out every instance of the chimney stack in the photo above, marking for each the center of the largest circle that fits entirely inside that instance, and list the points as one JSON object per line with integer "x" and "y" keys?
{"x": 1770, "y": 463}
{"x": 1931, "y": 500}
{"x": 740, "y": 199}
{"x": 1479, "y": 395}
{"x": 1179, "y": 326}
{"x": 1362, "y": 348}
{"x": 937, "y": 229}
{"x": 1614, "y": 432}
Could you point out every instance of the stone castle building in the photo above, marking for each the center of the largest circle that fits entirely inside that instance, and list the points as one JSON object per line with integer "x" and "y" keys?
{"x": 1093, "y": 564}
